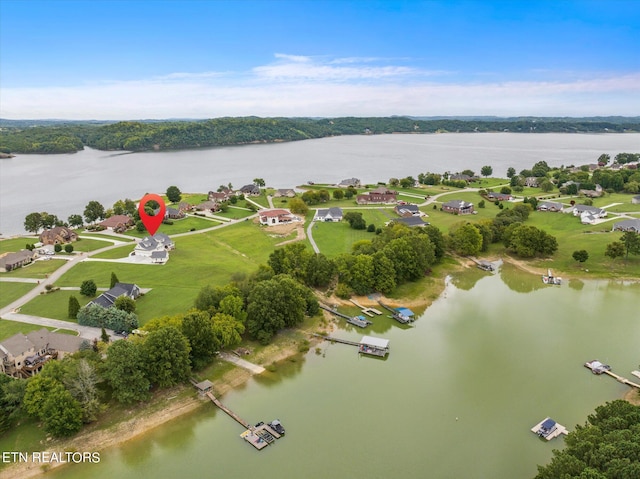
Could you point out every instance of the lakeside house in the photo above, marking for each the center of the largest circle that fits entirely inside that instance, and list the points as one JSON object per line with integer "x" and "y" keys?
{"x": 117, "y": 223}
{"x": 108, "y": 298}
{"x": 11, "y": 261}
{"x": 381, "y": 195}
{"x": 407, "y": 210}
{"x": 550, "y": 206}
{"x": 458, "y": 207}
{"x": 493, "y": 196}
{"x": 627, "y": 225}
{"x": 58, "y": 235}
{"x": 463, "y": 177}
{"x": 531, "y": 181}
{"x": 220, "y": 196}
{"x": 276, "y": 216}
{"x": 333, "y": 214}
{"x": 24, "y": 355}
{"x": 173, "y": 213}
{"x": 250, "y": 190}
{"x": 208, "y": 206}
{"x": 285, "y": 192}
{"x": 349, "y": 182}
{"x": 156, "y": 248}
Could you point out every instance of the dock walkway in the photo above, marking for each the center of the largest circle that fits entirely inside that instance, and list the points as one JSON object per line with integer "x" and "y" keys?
{"x": 622, "y": 379}
{"x": 356, "y": 321}
{"x": 337, "y": 340}
{"x": 228, "y": 411}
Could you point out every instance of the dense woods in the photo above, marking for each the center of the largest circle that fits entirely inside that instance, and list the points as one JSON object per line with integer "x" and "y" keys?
{"x": 65, "y": 137}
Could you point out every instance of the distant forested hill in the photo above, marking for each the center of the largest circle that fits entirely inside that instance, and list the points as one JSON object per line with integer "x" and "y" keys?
{"x": 50, "y": 136}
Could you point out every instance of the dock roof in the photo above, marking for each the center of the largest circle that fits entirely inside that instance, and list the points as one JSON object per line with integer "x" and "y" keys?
{"x": 376, "y": 342}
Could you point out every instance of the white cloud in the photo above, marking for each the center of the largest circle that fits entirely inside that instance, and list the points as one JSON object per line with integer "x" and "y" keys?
{"x": 307, "y": 86}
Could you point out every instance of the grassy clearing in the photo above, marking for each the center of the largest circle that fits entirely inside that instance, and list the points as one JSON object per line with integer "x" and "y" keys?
{"x": 9, "y": 292}
{"x": 86, "y": 245}
{"x": 179, "y": 226}
{"x": 13, "y": 245}
{"x": 116, "y": 253}
{"x": 106, "y": 237}
{"x": 54, "y": 305}
{"x": 8, "y": 328}
{"x": 38, "y": 269}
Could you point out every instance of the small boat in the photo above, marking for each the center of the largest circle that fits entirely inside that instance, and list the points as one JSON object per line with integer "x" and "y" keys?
{"x": 277, "y": 426}
{"x": 636, "y": 373}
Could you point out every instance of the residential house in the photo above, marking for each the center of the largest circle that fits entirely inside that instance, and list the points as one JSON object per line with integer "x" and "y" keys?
{"x": 11, "y": 261}
{"x": 493, "y": 196}
{"x": 531, "y": 181}
{"x": 288, "y": 192}
{"x": 461, "y": 177}
{"x": 108, "y": 298}
{"x": 58, "y": 235}
{"x": 411, "y": 221}
{"x": 276, "y": 217}
{"x": 592, "y": 193}
{"x": 349, "y": 182}
{"x": 250, "y": 190}
{"x": 407, "y": 210}
{"x": 158, "y": 243}
{"x": 550, "y": 206}
{"x": 184, "y": 206}
{"x": 117, "y": 223}
{"x": 588, "y": 214}
{"x": 220, "y": 196}
{"x": 210, "y": 206}
{"x": 458, "y": 207}
{"x": 173, "y": 213}
{"x": 328, "y": 214}
{"x": 381, "y": 195}
{"x": 627, "y": 225}
{"x": 636, "y": 200}
{"x": 24, "y": 355}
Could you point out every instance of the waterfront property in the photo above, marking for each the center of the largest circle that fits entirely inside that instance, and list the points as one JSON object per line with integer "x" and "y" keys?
{"x": 155, "y": 248}
{"x": 108, "y": 298}
{"x": 402, "y": 315}
{"x": 549, "y": 429}
{"x": 11, "y": 261}
{"x": 250, "y": 190}
{"x": 58, "y": 235}
{"x": 374, "y": 346}
{"x": 381, "y": 195}
{"x": 457, "y": 207}
{"x": 286, "y": 192}
{"x": 24, "y": 355}
{"x": 328, "y": 214}
{"x": 117, "y": 223}
{"x": 598, "y": 368}
{"x": 276, "y": 217}
{"x": 349, "y": 182}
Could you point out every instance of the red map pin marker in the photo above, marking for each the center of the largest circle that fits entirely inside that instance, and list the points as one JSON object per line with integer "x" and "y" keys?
{"x": 152, "y": 223}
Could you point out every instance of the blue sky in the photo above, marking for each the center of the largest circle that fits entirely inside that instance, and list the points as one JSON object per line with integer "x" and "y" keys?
{"x": 201, "y": 59}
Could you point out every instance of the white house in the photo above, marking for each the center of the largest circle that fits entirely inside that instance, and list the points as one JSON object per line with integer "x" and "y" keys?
{"x": 328, "y": 214}
{"x": 276, "y": 216}
{"x": 156, "y": 248}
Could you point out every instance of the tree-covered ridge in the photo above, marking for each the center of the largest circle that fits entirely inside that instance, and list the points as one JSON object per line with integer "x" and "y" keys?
{"x": 608, "y": 446}
{"x": 139, "y": 136}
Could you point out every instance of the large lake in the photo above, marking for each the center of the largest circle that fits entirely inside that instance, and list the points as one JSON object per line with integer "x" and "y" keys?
{"x": 456, "y": 398}
{"x": 64, "y": 184}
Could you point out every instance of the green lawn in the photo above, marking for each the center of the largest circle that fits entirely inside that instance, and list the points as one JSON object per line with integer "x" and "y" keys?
{"x": 85, "y": 245}
{"x": 198, "y": 260}
{"x": 9, "y": 292}
{"x": 14, "y": 245}
{"x": 116, "y": 253}
{"x": 54, "y": 305}
{"x": 37, "y": 269}
{"x": 106, "y": 237}
{"x": 178, "y": 226}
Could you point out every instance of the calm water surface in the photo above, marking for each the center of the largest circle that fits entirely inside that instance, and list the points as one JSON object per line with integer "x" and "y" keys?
{"x": 64, "y": 184}
{"x": 455, "y": 399}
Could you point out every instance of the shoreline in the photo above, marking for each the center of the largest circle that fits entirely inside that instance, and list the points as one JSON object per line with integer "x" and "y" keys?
{"x": 173, "y": 403}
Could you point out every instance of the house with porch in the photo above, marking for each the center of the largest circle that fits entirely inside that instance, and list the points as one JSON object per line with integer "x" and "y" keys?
{"x": 24, "y": 355}
{"x": 58, "y": 235}
{"x": 328, "y": 214}
{"x": 458, "y": 207}
{"x": 275, "y": 217}
{"x": 220, "y": 196}
{"x": 160, "y": 244}
{"x": 493, "y": 196}
{"x": 381, "y": 195}
{"x": 550, "y": 206}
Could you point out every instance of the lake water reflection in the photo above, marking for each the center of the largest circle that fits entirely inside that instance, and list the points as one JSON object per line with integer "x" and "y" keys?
{"x": 456, "y": 398}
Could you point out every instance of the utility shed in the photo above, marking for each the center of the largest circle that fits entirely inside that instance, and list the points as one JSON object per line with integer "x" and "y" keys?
{"x": 204, "y": 387}
{"x": 374, "y": 346}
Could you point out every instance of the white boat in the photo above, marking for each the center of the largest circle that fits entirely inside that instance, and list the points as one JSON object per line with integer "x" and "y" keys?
{"x": 636, "y": 373}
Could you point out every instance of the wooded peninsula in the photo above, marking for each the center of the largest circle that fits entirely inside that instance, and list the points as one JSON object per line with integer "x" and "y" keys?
{"x": 50, "y": 136}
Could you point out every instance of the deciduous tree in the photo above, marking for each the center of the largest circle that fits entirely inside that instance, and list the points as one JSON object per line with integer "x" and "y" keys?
{"x": 174, "y": 195}
{"x": 94, "y": 211}
{"x": 74, "y": 307}
{"x": 486, "y": 170}
{"x": 125, "y": 371}
{"x": 615, "y": 250}
{"x": 88, "y": 288}
{"x": 33, "y": 222}
{"x": 581, "y": 255}
{"x": 166, "y": 355}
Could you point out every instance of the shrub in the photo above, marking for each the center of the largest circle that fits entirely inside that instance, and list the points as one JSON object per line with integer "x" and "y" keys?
{"x": 481, "y": 204}
{"x": 371, "y": 228}
{"x": 57, "y": 248}
{"x": 74, "y": 307}
{"x": 343, "y": 291}
{"x": 68, "y": 248}
{"x": 88, "y": 288}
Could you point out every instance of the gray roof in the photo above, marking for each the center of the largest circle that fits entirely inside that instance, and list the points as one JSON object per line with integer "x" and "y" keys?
{"x": 108, "y": 298}
{"x": 587, "y": 208}
{"x": 412, "y": 221}
{"x": 159, "y": 254}
{"x": 410, "y": 208}
{"x": 457, "y": 204}
{"x": 551, "y": 204}
{"x": 377, "y": 342}
{"x": 15, "y": 258}
{"x": 627, "y": 225}
{"x": 21, "y": 343}
{"x": 334, "y": 211}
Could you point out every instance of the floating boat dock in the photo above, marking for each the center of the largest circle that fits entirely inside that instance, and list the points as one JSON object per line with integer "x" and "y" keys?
{"x": 549, "y": 429}
{"x": 259, "y": 436}
{"x": 598, "y": 368}
{"x": 367, "y": 311}
{"x": 367, "y": 345}
{"x": 359, "y": 321}
{"x": 549, "y": 278}
{"x": 402, "y": 315}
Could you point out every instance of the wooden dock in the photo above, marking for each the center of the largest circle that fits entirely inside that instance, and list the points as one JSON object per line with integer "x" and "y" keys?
{"x": 229, "y": 412}
{"x": 622, "y": 380}
{"x": 365, "y": 310}
{"x": 363, "y": 323}
{"x": 337, "y": 340}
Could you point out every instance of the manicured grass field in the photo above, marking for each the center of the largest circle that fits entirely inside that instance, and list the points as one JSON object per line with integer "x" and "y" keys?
{"x": 9, "y": 292}
{"x": 85, "y": 245}
{"x": 116, "y": 253}
{"x": 14, "y": 245}
{"x": 38, "y": 269}
{"x": 54, "y": 305}
{"x": 106, "y": 237}
{"x": 178, "y": 226}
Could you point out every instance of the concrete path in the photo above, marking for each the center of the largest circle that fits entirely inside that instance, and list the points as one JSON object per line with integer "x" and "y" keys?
{"x": 230, "y": 358}
{"x": 19, "y": 280}
{"x": 310, "y": 236}
{"x": 86, "y": 332}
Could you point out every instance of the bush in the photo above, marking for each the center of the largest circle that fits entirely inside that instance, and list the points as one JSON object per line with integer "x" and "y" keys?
{"x": 57, "y": 248}
{"x": 112, "y": 318}
{"x": 68, "y": 248}
{"x": 481, "y": 204}
{"x": 88, "y": 288}
{"x": 167, "y": 222}
{"x": 74, "y": 307}
{"x": 343, "y": 291}
{"x": 371, "y": 228}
